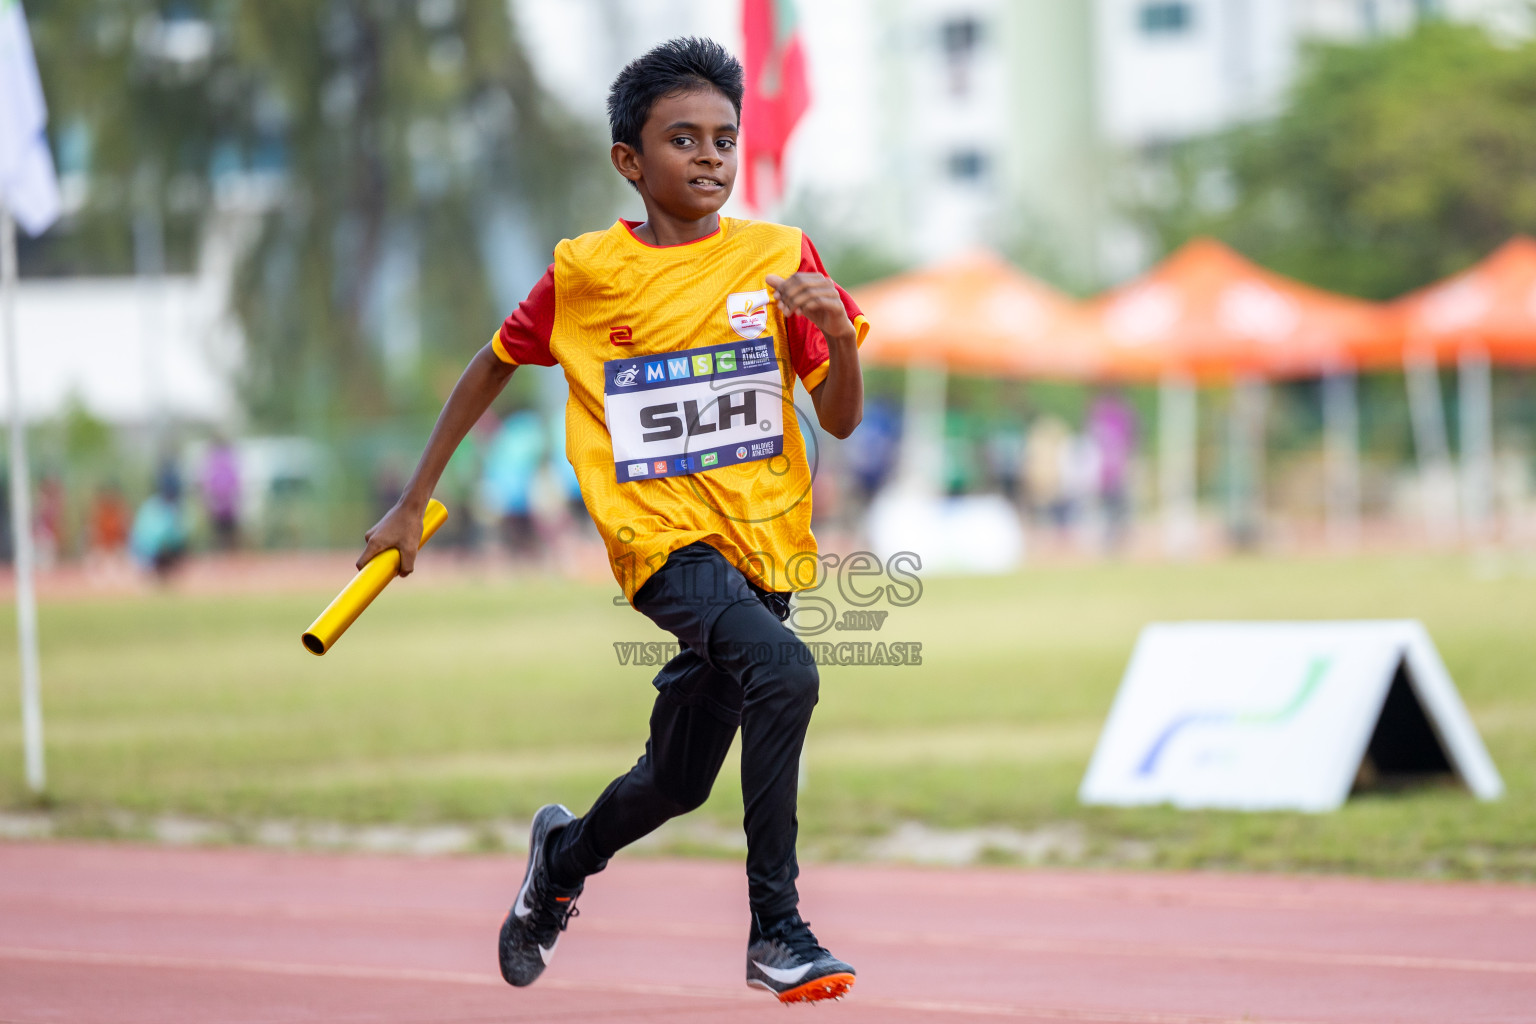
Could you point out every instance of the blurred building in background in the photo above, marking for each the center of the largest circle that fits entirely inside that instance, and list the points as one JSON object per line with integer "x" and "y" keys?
{"x": 1169, "y": 70}
{"x": 937, "y": 125}
{"x": 988, "y": 116}
{"x": 1166, "y": 70}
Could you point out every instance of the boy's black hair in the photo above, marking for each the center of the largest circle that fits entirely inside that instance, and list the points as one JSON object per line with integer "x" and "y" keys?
{"x": 686, "y": 63}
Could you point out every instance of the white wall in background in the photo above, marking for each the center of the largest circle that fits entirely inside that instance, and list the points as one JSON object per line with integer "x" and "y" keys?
{"x": 128, "y": 350}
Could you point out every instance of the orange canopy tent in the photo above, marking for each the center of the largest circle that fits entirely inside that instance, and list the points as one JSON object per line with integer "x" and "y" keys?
{"x": 972, "y": 314}
{"x": 1209, "y": 313}
{"x": 1490, "y": 307}
{"x": 977, "y": 314}
{"x": 1479, "y": 317}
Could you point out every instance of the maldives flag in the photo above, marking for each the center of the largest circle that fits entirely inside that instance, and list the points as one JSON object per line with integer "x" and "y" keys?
{"x": 776, "y": 94}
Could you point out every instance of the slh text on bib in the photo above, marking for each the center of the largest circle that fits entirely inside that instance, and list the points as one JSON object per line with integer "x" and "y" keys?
{"x": 692, "y": 411}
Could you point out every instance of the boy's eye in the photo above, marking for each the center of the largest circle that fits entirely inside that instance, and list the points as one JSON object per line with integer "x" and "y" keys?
{"x": 682, "y": 140}
{"x": 726, "y": 144}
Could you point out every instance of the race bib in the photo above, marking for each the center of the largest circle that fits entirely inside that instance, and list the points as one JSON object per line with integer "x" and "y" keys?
{"x": 693, "y": 411}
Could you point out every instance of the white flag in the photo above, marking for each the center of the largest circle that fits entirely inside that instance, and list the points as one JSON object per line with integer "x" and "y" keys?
{"x": 28, "y": 187}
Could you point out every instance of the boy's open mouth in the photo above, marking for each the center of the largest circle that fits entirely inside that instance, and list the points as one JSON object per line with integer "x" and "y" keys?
{"x": 707, "y": 184}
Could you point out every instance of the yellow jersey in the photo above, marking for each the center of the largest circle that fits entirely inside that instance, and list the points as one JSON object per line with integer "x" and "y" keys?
{"x": 681, "y": 423}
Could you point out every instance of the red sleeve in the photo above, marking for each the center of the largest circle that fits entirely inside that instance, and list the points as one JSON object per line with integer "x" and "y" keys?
{"x": 807, "y": 345}
{"x": 524, "y": 336}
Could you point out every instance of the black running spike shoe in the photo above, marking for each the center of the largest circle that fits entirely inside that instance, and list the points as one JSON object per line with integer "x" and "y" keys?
{"x": 786, "y": 959}
{"x": 542, "y": 909}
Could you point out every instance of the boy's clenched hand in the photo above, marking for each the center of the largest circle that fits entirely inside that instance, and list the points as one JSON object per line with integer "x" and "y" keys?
{"x": 400, "y": 528}
{"x": 839, "y": 398}
{"x": 814, "y": 297}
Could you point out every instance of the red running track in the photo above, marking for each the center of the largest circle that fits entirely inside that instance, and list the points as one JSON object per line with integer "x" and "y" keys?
{"x": 110, "y": 933}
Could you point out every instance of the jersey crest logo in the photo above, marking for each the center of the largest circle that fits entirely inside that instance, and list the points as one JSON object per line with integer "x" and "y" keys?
{"x": 625, "y": 378}
{"x": 748, "y": 313}
{"x": 622, "y": 335}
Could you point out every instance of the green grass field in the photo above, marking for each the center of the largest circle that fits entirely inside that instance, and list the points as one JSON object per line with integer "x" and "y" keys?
{"x": 476, "y": 703}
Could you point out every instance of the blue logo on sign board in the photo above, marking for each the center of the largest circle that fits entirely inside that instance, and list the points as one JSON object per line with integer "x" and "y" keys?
{"x": 654, "y": 372}
{"x": 677, "y": 368}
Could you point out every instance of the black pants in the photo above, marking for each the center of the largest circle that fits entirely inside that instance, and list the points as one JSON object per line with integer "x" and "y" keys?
{"x": 741, "y": 667}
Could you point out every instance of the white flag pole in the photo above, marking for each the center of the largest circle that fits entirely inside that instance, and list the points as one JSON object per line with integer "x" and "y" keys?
{"x": 21, "y": 518}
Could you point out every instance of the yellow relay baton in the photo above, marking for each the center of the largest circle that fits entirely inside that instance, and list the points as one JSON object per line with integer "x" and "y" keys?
{"x": 369, "y": 582}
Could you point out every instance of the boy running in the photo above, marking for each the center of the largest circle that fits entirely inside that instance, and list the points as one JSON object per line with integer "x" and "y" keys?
{"x": 681, "y": 429}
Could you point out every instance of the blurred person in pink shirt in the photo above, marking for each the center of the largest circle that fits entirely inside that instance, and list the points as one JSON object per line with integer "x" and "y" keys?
{"x": 1112, "y": 427}
{"x": 220, "y": 484}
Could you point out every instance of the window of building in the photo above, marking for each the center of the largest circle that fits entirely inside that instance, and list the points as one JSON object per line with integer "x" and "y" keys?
{"x": 960, "y": 39}
{"x": 967, "y": 165}
{"x": 1368, "y": 18}
{"x": 1166, "y": 19}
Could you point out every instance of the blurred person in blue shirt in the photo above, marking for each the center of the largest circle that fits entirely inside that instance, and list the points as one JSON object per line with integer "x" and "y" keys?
{"x": 873, "y": 447}
{"x": 158, "y": 539}
{"x": 511, "y": 464}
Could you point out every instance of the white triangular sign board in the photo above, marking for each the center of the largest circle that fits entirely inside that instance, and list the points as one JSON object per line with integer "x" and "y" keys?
{"x": 1280, "y": 715}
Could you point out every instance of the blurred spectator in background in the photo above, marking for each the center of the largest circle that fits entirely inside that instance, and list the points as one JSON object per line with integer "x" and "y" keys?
{"x": 871, "y": 451}
{"x": 221, "y": 494}
{"x": 457, "y": 487}
{"x": 107, "y": 532}
{"x": 963, "y": 468}
{"x": 550, "y": 507}
{"x": 1112, "y": 426}
{"x": 563, "y": 474}
{"x": 1046, "y": 451}
{"x": 511, "y": 464}
{"x": 48, "y": 521}
{"x": 481, "y": 517}
{"x": 168, "y": 478}
{"x": 1004, "y": 451}
{"x": 158, "y": 539}
{"x": 108, "y": 522}
{"x": 1080, "y": 485}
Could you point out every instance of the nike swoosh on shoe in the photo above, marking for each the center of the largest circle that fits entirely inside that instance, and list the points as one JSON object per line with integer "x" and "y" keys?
{"x": 782, "y": 975}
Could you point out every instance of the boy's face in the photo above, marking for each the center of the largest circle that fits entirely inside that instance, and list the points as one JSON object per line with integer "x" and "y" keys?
{"x": 686, "y": 165}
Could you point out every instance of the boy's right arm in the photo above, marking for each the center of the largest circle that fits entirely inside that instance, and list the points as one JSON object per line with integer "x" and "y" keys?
{"x": 484, "y": 379}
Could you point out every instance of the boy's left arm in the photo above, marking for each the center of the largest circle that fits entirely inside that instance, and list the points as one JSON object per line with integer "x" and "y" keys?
{"x": 839, "y": 398}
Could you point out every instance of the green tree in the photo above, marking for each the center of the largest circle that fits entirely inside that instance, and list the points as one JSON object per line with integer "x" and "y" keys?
{"x": 391, "y": 134}
{"x": 1392, "y": 164}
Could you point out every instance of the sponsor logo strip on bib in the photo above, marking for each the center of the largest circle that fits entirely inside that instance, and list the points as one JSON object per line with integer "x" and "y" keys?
{"x": 693, "y": 411}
